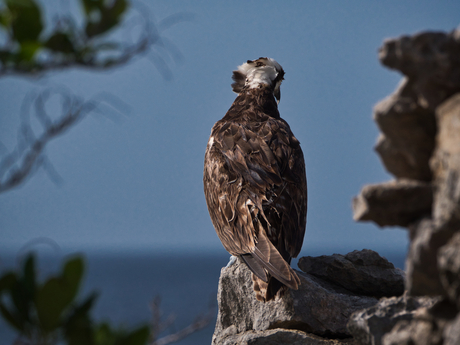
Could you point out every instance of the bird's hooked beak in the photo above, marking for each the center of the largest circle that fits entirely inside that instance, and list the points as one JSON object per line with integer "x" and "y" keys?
{"x": 277, "y": 94}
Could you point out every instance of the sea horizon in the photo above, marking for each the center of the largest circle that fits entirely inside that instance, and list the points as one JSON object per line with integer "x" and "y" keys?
{"x": 128, "y": 281}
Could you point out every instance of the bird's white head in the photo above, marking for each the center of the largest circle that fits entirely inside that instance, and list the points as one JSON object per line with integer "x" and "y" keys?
{"x": 253, "y": 73}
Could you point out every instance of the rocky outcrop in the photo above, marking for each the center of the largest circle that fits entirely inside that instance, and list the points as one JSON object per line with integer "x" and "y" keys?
{"x": 279, "y": 337}
{"x": 420, "y": 146}
{"x": 428, "y": 326}
{"x": 362, "y": 272}
{"x": 369, "y": 326}
{"x": 316, "y": 313}
{"x": 445, "y": 164}
{"x": 399, "y": 202}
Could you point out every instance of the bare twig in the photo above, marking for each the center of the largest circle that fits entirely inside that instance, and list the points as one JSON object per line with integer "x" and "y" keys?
{"x": 28, "y": 156}
{"x": 201, "y": 321}
{"x": 96, "y": 53}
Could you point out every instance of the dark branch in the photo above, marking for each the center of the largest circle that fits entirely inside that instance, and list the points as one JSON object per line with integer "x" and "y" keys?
{"x": 87, "y": 54}
{"x": 158, "y": 325}
{"x": 69, "y": 46}
{"x": 28, "y": 156}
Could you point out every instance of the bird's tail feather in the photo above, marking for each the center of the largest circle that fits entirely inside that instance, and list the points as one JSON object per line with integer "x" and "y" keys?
{"x": 268, "y": 256}
{"x": 256, "y": 268}
{"x": 267, "y": 291}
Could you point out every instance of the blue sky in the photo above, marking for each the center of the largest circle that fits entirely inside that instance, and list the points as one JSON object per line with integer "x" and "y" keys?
{"x": 136, "y": 182}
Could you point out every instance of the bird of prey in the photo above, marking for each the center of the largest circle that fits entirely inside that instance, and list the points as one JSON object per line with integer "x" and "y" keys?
{"x": 254, "y": 180}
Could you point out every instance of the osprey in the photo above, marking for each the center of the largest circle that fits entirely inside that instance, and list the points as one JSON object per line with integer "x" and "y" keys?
{"x": 254, "y": 180}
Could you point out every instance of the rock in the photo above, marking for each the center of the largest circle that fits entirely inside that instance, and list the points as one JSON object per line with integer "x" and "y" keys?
{"x": 427, "y": 326}
{"x": 370, "y": 325}
{"x": 406, "y": 118}
{"x": 430, "y": 60}
{"x": 408, "y": 134}
{"x": 422, "y": 274}
{"x": 449, "y": 267}
{"x": 429, "y": 235}
{"x": 452, "y": 332}
{"x": 362, "y": 272}
{"x": 393, "y": 203}
{"x": 407, "y": 332}
{"x": 420, "y": 141}
{"x": 280, "y": 337}
{"x": 317, "y": 307}
{"x": 446, "y": 164}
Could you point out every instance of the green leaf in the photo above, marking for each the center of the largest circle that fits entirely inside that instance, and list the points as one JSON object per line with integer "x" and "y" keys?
{"x": 28, "y": 49}
{"x": 60, "y": 42}
{"x": 5, "y": 56}
{"x": 91, "y": 5}
{"x": 85, "y": 306}
{"x": 118, "y": 8}
{"x": 28, "y": 287}
{"x": 29, "y": 278}
{"x": 8, "y": 284}
{"x": 109, "y": 17}
{"x": 26, "y": 19}
{"x": 57, "y": 294}
{"x": 139, "y": 336}
{"x": 5, "y": 18}
{"x": 104, "y": 335}
{"x": 21, "y": 301}
{"x": 73, "y": 272}
{"x": 22, "y": 292}
{"x": 79, "y": 332}
{"x": 12, "y": 318}
{"x": 8, "y": 281}
{"x": 79, "y": 328}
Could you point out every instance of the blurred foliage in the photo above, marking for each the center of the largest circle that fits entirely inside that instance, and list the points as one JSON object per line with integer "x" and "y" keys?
{"x": 29, "y": 47}
{"x": 48, "y": 313}
{"x": 32, "y": 45}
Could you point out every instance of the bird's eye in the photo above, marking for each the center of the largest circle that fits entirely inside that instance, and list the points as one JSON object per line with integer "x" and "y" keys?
{"x": 259, "y": 64}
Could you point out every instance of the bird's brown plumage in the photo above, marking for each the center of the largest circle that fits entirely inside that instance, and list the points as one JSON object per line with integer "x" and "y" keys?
{"x": 255, "y": 188}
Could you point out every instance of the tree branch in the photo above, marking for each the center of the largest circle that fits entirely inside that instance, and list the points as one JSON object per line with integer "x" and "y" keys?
{"x": 28, "y": 156}
{"x": 84, "y": 52}
{"x": 158, "y": 325}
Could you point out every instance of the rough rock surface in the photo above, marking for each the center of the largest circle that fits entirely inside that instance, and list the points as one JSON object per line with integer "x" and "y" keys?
{"x": 431, "y": 62}
{"x": 427, "y": 326}
{"x": 452, "y": 332}
{"x": 408, "y": 129}
{"x": 449, "y": 267}
{"x": 280, "y": 337}
{"x": 318, "y": 306}
{"x": 399, "y": 202}
{"x": 421, "y": 262}
{"x": 420, "y": 141}
{"x": 370, "y": 325}
{"x": 362, "y": 272}
{"x": 446, "y": 165}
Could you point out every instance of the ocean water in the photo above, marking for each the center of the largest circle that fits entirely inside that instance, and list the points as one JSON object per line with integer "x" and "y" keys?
{"x": 128, "y": 282}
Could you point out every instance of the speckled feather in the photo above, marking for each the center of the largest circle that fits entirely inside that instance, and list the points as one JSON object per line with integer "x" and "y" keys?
{"x": 255, "y": 188}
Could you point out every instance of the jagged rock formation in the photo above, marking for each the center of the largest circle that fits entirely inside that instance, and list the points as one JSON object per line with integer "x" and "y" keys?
{"x": 317, "y": 313}
{"x": 362, "y": 272}
{"x": 420, "y": 146}
{"x": 369, "y": 326}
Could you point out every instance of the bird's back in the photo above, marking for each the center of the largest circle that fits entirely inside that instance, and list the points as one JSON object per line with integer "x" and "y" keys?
{"x": 255, "y": 188}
